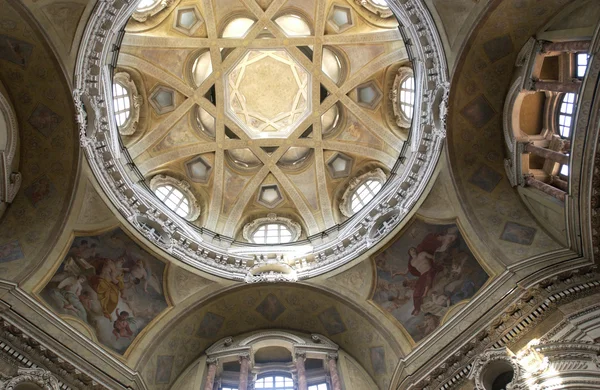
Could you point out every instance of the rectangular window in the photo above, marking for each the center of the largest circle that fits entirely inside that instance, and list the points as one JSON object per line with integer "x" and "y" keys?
{"x": 581, "y": 64}
{"x": 320, "y": 386}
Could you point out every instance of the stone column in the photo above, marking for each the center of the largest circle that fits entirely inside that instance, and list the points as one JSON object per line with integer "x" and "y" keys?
{"x": 244, "y": 366}
{"x": 545, "y": 188}
{"x": 548, "y": 154}
{"x": 557, "y": 86}
{"x": 553, "y": 48}
{"x": 301, "y": 371}
{"x": 210, "y": 373}
{"x": 333, "y": 371}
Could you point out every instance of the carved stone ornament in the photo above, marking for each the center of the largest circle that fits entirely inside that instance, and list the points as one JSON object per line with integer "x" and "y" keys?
{"x": 130, "y": 125}
{"x": 251, "y": 227}
{"x": 370, "y": 5}
{"x": 355, "y": 182}
{"x": 183, "y": 186}
{"x": 487, "y": 359}
{"x": 402, "y": 120}
{"x": 111, "y": 164}
{"x": 38, "y": 376}
{"x": 142, "y": 14}
{"x": 10, "y": 181}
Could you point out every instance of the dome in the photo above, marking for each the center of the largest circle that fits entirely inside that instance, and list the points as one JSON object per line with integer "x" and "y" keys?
{"x": 280, "y": 119}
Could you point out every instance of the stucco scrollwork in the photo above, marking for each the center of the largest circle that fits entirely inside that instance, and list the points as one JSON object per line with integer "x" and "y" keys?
{"x": 355, "y": 182}
{"x": 130, "y": 125}
{"x": 111, "y": 164}
{"x": 38, "y": 376}
{"x": 142, "y": 14}
{"x": 494, "y": 361}
{"x": 251, "y": 227}
{"x": 183, "y": 186}
{"x": 376, "y": 8}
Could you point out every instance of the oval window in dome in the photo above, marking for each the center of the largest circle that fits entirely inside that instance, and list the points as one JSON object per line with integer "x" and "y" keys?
{"x": 293, "y": 25}
{"x": 237, "y": 28}
{"x": 202, "y": 68}
{"x": 331, "y": 65}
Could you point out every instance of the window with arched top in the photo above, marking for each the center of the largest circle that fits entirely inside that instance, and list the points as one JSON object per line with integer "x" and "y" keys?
{"x": 146, "y": 4}
{"x": 274, "y": 382}
{"x": 174, "y": 199}
{"x": 176, "y": 195}
{"x": 272, "y": 230}
{"x": 272, "y": 233}
{"x": 403, "y": 96}
{"x": 361, "y": 190}
{"x": 364, "y": 194}
{"x": 148, "y": 8}
{"x": 407, "y": 96}
{"x": 237, "y": 28}
{"x": 126, "y": 103}
{"x": 293, "y": 25}
{"x": 566, "y": 114}
{"x": 378, "y": 7}
{"x": 121, "y": 103}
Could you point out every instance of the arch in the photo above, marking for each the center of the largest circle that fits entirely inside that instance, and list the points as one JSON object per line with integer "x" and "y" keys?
{"x": 10, "y": 178}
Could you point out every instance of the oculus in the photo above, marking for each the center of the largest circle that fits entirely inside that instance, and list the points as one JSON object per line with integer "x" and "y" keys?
{"x": 267, "y": 93}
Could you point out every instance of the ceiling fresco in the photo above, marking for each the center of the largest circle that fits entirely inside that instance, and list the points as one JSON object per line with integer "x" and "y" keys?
{"x": 423, "y": 273}
{"x": 109, "y": 283}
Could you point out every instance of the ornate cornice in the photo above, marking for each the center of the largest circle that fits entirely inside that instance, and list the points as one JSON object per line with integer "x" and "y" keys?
{"x": 215, "y": 254}
{"x": 515, "y": 322}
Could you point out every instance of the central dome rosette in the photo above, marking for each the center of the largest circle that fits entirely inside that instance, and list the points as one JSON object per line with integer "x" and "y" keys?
{"x": 262, "y": 140}
{"x": 267, "y": 93}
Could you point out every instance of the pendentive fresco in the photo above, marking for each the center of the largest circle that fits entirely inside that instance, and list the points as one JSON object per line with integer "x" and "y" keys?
{"x": 111, "y": 284}
{"x": 423, "y": 274}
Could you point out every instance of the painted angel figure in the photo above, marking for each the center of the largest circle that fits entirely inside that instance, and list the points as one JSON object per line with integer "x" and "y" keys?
{"x": 141, "y": 272}
{"x": 121, "y": 326}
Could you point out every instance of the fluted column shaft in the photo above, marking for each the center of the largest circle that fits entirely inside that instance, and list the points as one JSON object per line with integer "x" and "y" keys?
{"x": 244, "y": 367}
{"x": 301, "y": 371}
{"x": 545, "y": 188}
{"x": 211, "y": 373}
{"x": 548, "y": 154}
{"x": 333, "y": 372}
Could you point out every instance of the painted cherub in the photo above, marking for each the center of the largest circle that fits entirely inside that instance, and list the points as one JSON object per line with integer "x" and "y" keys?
{"x": 121, "y": 325}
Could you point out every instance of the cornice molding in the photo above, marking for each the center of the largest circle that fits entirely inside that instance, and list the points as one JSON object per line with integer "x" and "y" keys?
{"x": 208, "y": 251}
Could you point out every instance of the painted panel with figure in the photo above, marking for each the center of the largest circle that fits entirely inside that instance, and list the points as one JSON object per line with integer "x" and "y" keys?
{"x": 110, "y": 283}
{"x": 423, "y": 273}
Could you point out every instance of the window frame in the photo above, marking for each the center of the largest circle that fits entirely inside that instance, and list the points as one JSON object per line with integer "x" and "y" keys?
{"x": 251, "y": 228}
{"x": 571, "y": 115}
{"x": 402, "y": 75}
{"x": 123, "y": 79}
{"x": 577, "y": 65}
{"x": 142, "y": 15}
{"x": 275, "y": 375}
{"x": 159, "y": 181}
{"x": 355, "y": 184}
{"x": 379, "y": 10}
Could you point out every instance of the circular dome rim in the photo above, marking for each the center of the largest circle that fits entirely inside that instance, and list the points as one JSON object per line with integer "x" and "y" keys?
{"x": 222, "y": 256}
